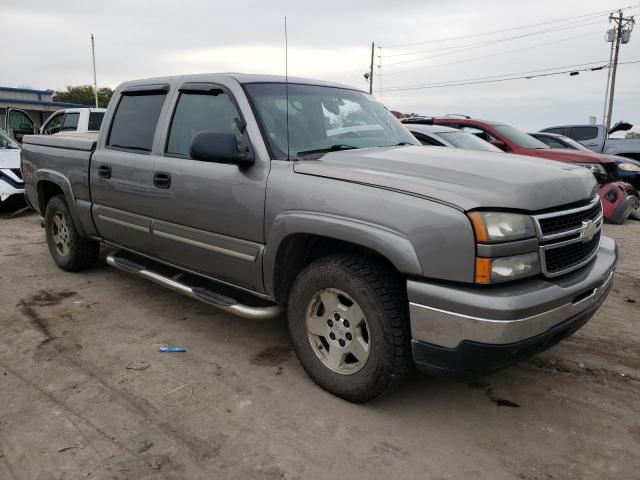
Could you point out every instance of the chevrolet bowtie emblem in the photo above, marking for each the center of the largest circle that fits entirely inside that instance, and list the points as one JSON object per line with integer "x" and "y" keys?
{"x": 589, "y": 231}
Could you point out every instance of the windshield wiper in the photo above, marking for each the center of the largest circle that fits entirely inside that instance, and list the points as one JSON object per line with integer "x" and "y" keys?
{"x": 333, "y": 148}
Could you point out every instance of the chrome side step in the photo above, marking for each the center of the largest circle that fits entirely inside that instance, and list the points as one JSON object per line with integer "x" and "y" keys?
{"x": 202, "y": 294}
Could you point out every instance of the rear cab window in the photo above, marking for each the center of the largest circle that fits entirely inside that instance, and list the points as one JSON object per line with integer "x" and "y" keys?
{"x": 135, "y": 119}
{"x": 583, "y": 133}
{"x": 95, "y": 120}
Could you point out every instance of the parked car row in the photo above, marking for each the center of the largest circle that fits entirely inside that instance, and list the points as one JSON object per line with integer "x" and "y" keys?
{"x": 260, "y": 195}
{"x": 620, "y": 199}
{"x": 11, "y": 184}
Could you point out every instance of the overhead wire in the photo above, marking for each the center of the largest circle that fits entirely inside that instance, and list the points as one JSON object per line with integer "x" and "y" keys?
{"x": 457, "y": 83}
{"x": 481, "y": 57}
{"x": 549, "y": 22}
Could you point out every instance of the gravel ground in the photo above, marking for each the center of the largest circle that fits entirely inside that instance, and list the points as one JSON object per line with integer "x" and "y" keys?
{"x": 84, "y": 393}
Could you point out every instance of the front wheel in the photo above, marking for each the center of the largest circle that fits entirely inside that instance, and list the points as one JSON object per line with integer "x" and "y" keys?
{"x": 348, "y": 320}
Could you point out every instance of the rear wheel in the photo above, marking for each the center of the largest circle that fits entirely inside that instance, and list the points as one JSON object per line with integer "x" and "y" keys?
{"x": 69, "y": 250}
{"x": 348, "y": 320}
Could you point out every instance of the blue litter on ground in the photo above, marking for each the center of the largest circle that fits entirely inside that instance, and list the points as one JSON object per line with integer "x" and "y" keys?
{"x": 172, "y": 349}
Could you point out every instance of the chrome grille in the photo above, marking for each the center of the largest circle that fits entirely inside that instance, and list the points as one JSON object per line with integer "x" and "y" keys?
{"x": 570, "y": 238}
{"x": 560, "y": 258}
{"x": 570, "y": 221}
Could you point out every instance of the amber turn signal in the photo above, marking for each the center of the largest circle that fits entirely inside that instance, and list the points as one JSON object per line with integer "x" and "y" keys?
{"x": 483, "y": 270}
{"x": 478, "y": 227}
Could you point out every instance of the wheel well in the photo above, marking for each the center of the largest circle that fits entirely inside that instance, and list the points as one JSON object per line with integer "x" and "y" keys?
{"x": 300, "y": 249}
{"x": 47, "y": 190}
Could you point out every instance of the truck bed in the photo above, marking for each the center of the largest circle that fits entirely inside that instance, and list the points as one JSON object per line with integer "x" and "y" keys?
{"x": 67, "y": 156}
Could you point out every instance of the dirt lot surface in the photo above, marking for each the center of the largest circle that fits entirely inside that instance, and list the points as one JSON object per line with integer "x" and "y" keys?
{"x": 85, "y": 394}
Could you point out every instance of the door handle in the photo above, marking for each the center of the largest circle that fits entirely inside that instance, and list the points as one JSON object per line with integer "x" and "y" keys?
{"x": 104, "y": 171}
{"x": 162, "y": 179}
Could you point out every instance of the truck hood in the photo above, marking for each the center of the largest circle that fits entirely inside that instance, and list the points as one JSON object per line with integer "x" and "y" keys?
{"x": 571, "y": 156}
{"x": 465, "y": 179}
{"x": 9, "y": 158}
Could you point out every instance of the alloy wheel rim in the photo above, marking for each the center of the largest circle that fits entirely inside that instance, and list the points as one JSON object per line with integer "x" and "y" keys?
{"x": 60, "y": 234}
{"x": 338, "y": 332}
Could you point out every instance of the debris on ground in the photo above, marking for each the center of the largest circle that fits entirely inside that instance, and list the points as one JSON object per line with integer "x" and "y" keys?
{"x": 69, "y": 447}
{"x": 144, "y": 446}
{"x": 138, "y": 365}
{"x": 171, "y": 349}
{"x": 629, "y": 300}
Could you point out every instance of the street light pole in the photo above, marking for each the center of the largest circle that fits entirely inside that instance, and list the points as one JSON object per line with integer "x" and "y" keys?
{"x": 95, "y": 80}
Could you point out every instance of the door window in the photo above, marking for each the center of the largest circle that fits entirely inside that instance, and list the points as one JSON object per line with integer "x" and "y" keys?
{"x": 211, "y": 111}
{"x": 70, "y": 123}
{"x": 20, "y": 121}
{"x": 54, "y": 125}
{"x": 135, "y": 120}
{"x": 584, "y": 133}
{"x": 552, "y": 142}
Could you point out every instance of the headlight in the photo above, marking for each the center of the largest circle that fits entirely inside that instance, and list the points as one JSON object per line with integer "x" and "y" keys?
{"x": 492, "y": 227}
{"x": 491, "y": 270}
{"x": 595, "y": 168}
{"x": 629, "y": 167}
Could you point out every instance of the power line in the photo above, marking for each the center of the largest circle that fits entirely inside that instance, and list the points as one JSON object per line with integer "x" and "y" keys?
{"x": 460, "y": 37}
{"x": 566, "y": 39}
{"x": 527, "y": 77}
{"x": 499, "y": 40}
{"x": 595, "y": 62}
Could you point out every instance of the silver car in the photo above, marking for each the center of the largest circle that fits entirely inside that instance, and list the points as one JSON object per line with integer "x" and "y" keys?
{"x": 441, "y": 136}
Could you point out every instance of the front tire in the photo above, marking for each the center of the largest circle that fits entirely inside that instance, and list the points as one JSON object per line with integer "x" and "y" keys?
{"x": 69, "y": 250}
{"x": 349, "y": 322}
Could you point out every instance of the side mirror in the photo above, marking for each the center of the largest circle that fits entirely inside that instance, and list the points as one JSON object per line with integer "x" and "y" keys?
{"x": 500, "y": 144}
{"x": 218, "y": 148}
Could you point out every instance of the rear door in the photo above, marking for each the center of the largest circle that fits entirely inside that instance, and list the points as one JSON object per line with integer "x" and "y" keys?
{"x": 121, "y": 167}
{"x": 208, "y": 217}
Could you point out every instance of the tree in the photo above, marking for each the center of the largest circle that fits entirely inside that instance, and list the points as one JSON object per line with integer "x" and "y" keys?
{"x": 83, "y": 94}
{"x": 632, "y": 135}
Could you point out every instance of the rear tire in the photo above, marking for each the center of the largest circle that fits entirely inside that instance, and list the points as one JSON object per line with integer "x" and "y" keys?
{"x": 349, "y": 322}
{"x": 69, "y": 250}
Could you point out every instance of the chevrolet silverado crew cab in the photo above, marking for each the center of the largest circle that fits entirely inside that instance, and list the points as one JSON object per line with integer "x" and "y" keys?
{"x": 261, "y": 197}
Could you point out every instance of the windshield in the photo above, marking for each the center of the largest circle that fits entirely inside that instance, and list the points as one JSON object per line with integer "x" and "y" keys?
{"x": 467, "y": 141}
{"x": 520, "y": 138}
{"x": 322, "y": 119}
{"x": 6, "y": 141}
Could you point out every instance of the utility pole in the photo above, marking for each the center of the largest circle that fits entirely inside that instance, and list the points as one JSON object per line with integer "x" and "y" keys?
{"x": 373, "y": 46}
{"x": 606, "y": 90}
{"x": 622, "y": 33}
{"x": 95, "y": 80}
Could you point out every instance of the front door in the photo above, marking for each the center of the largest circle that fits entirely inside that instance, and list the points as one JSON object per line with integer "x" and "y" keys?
{"x": 121, "y": 169}
{"x": 19, "y": 124}
{"x": 208, "y": 217}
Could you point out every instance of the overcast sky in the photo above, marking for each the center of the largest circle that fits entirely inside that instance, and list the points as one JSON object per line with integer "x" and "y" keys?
{"x": 47, "y": 45}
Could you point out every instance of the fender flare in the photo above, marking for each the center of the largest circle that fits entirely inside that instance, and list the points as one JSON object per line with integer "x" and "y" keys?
{"x": 58, "y": 179}
{"x": 387, "y": 242}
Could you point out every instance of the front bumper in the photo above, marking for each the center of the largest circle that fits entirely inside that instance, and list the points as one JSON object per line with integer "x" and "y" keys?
{"x": 473, "y": 329}
{"x": 10, "y": 185}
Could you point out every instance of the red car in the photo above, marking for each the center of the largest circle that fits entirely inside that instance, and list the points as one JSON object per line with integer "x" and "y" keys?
{"x": 619, "y": 199}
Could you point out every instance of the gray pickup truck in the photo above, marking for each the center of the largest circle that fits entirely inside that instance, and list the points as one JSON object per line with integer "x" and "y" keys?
{"x": 258, "y": 197}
